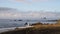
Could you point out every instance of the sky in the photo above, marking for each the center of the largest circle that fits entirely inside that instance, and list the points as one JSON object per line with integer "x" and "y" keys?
{"x": 31, "y": 9}
{"x": 32, "y": 5}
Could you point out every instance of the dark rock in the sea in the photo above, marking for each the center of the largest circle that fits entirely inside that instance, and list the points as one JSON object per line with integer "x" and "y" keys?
{"x": 19, "y": 20}
{"x": 51, "y": 20}
{"x": 37, "y": 23}
{"x": 14, "y": 20}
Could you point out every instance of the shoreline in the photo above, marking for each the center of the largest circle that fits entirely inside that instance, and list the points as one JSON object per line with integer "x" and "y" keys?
{"x": 12, "y": 28}
{"x": 36, "y": 29}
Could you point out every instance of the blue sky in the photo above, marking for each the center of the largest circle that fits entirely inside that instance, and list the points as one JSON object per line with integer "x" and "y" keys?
{"x": 32, "y": 9}
{"x": 30, "y": 5}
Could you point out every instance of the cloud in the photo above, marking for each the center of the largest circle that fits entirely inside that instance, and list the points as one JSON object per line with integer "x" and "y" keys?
{"x": 38, "y": 0}
{"x": 4, "y": 13}
{"x": 28, "y": 15}
{"x": 29, "y": 1}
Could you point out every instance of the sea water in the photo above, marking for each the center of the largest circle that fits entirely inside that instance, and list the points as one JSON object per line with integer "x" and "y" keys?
{"x": 7, "y": 23}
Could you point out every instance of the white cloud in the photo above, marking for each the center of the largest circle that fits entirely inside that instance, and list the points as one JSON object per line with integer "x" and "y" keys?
{"x": 11, "y": 13}
{"x": 27, "y": 15}
{"x": 29, "y": 1}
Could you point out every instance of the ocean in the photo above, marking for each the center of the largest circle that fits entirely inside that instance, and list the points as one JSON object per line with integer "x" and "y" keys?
{"x": 7, "y": 23}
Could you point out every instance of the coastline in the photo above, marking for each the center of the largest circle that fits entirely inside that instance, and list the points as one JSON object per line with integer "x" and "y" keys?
{"x": 38, "y": 29}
